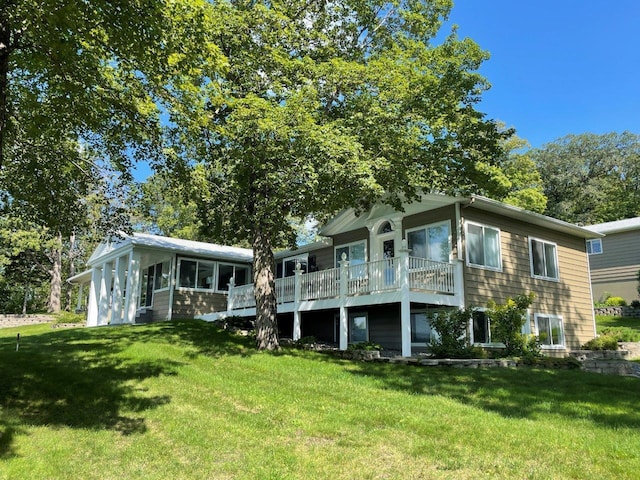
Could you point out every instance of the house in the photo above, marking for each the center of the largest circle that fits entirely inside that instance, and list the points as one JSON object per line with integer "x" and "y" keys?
{"x": 133, "y": 278}
{"x": 614, "y": 260}
{"x": 377, "y": 276}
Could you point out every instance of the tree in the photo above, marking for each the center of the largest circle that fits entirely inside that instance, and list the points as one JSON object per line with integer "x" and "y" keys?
{"x": 322, "y": 105}
{"x": 81, "y": 91}
{"x": 591, "y": 178}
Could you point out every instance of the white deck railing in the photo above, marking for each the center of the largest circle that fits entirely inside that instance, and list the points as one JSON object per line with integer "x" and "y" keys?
{"x": 359, "y": 279}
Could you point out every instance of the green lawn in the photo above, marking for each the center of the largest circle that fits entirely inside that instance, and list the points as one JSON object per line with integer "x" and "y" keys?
{"x": 185, "y": 401}
{"x": 603, "y": 321}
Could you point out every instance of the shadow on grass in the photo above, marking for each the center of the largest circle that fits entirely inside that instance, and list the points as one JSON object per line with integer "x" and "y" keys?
{"x": 609, "y": 401}
{"x": 83, "y": 378}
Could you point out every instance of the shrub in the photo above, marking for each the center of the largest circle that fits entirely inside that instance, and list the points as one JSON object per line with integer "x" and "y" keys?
{"x": 603, "y": 342}
{"x": 70, "y": 317}
{"x": 507, "y": 321}
{"x": 615, "y": 302}
{"x": 451, "y": 340}
{"x": 635, "y": 304}
{"x": 305, "y": 342}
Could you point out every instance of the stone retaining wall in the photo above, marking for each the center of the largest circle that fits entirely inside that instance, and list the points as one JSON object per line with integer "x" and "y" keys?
{"x": 7, "y": 321}
{"x": 627, "y": 312}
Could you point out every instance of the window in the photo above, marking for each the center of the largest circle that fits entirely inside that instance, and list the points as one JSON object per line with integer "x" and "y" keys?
{"x": 289, "y": 265}
{"x": 432, "y": 242}
{"x": 356, "y": 253}
{"x": 240, "y": 274}
{"x": 550, "y": 331}
{"x": 483, "y": 246}
{"x": 163, "y": 270}
{"x": 544, "y": 259}
{"x": 481, "y": 327}
{"x": 358, "y": 329}
{"x": 206, "y": 275}
{"x": 594, "y": 247}
{"x": 420, "y": 327}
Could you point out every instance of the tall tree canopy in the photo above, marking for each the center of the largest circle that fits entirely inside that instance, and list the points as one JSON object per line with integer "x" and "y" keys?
{"x": 81, "y": 94}
{"x": 591, "y": 178}
{"x": 320, "y": 105}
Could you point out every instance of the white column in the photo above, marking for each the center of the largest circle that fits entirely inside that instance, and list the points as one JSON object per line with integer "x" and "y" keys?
{"x": 297, "y": 285}
{"x": 344, "y": 323}
{"x": 230, "y": 294}
{"x": 79, "y": 300}
{"x": 133, "y": 288}
{"x": 405, "y": 302}
{"x": 94, "y": 296}
{"x": 118, "y": 284}
{"x": 172, "y": 285}
{"x": 105, "y": 294}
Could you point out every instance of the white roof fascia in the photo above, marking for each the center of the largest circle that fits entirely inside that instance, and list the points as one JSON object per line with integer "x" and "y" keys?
{"x": 309, "y": 247}
{"x": 494, "y": 206}
{"x": 82, "y": 277}
{"x": 146, "y": 242}
{"x": 618, "y": 226}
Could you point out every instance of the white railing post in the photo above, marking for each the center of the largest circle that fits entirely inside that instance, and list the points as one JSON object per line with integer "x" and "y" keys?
{"x": 230, "y": 294}
{"x": 458, "y": 281}
{"x": 405, "y": 302}
{"x": 344, "y": 285}
{"x": 297, "y": 290}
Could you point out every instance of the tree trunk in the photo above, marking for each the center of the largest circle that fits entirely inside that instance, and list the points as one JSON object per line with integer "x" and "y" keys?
{"x": 72, "y": 271}
{"x": 265, "y": 293}
{"x": 5, "y": 38}
{"x": 55, "y": 293}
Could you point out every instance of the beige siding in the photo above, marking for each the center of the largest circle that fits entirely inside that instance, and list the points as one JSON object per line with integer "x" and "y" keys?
{"x": 190, "y": 303}
{"x": 160, "y": 305}
{"x": 569, "y": 297}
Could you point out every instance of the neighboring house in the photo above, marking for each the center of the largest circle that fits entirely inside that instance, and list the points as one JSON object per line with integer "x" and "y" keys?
{"x": 615, "y": 259}
{"x": 380, "y": 275}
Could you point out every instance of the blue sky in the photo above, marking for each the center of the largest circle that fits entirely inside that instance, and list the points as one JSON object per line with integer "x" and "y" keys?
{"x": 557, "y": 67}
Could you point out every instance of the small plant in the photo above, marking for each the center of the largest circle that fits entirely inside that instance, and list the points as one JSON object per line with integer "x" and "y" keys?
{"x": 367, "y": 346}
{"x": 603, "y": 342}
{"x": 451, "y": 340}
{"x": 305, "y": 343}
{"x": 615, "y": 302}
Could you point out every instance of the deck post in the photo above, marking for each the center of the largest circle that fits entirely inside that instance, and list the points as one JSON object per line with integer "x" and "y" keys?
{"x": 344, "y": 324}
{"x": 405, "y": 302}
{"x": 297, "y": 290}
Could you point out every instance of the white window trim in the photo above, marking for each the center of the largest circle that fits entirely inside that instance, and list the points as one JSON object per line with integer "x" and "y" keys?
{"x": 550, "y": 316}
{"x": 216, "y": 271}
{"x": 555, "y": 254}
{"x": 168, "y": 287}
{"x": 433, "y": 225}
{"x": 473, "y": 340}
{"x": 302, "y": 256}
{"x": 337, "y": 247}
{"x": 592, "y": 242}
{"x": 466, "y": 236}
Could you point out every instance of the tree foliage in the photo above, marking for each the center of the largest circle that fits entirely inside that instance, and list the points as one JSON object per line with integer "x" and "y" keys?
{"x": 322, "y": 105}
{"x": 507, "y": 321}
{"x": 591, "y": 178}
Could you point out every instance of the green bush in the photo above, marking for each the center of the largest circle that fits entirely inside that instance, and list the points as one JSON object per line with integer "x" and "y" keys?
{"x": 635, "y": 304}
{"x": 507, "y": 321}
{"x": 603, "y": 342}
{"x": 615, "y": 302}
{"x": 70, "y": 317}
{"x": 622, "y": 334}
{"x": 451, "y": 340}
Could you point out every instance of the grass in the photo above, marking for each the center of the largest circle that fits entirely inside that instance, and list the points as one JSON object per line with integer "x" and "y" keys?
{"x": 185, "y": 400}
{"x": 603, "y": 321}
